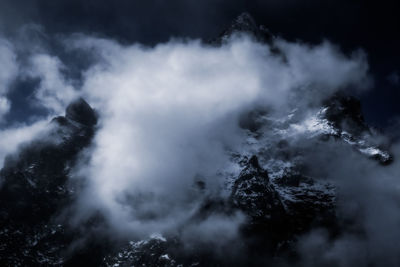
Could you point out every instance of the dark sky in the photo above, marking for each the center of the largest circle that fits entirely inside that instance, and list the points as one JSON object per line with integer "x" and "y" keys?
{"x": 371, "y": 25}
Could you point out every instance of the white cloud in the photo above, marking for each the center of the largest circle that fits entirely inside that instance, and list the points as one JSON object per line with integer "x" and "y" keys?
{"x": 168, "y": 114}
{"x": 54, "y": 92}
{"x": 4, "y": 106}
{"x": 323, "y": 69}
{"x": 12, "y": 137}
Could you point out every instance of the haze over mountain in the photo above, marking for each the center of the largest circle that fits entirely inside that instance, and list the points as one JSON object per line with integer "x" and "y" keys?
{"x": 241, "y": 150}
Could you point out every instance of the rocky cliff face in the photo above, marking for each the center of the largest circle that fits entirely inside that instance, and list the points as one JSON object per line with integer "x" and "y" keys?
{"x": 36, "y": 189}
{"x": 268, "y": 183}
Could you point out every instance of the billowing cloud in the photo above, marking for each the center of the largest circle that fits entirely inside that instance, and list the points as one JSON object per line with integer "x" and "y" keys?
{"x": 12, "y": 137}
{"x": 169, "y": 117}
{"x": 54, "y": 91}
{"x": 169, "y": 114}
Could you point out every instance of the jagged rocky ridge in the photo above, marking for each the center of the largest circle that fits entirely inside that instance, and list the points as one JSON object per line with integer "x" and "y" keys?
{"x": 267, "y": 181}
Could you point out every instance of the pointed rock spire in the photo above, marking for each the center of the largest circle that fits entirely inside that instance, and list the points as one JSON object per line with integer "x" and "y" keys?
{"x": 80, "y": 111}
{"x": 244, "y": 23}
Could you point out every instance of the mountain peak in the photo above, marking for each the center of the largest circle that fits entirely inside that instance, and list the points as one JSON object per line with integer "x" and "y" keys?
{"x": 345, "y": 113}
{"x": 244, "y": 23}
{"x": 253, "y": 162}
{"x": 81, "y": 112}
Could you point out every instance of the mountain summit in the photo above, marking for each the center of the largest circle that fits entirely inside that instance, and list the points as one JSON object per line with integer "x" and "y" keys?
{"x": 35, "y": 190}
{"x": 80, "y": 111}
{"x": 244, "y": 24}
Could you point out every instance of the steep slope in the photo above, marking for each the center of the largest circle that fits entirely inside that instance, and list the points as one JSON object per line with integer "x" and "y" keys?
{"x": 36, "y": 189}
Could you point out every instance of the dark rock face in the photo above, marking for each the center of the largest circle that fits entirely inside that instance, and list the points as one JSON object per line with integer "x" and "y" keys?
{"x": 254, "y": 194}
{"x": 310, "y": 205}
{"x": 345, "y": 113}
{"x": 36, "y": 189}
{"x": 81, "y": 112}
{"x": 152, "y": 252}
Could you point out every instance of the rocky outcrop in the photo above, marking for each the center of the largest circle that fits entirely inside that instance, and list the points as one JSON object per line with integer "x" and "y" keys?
{"x": 80, "y": 111}
{"x": 36, "y": 189}
{"x": 255, "y": 195}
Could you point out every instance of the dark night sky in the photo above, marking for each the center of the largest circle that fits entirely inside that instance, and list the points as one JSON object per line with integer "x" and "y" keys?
{"x": 371, "y": 25}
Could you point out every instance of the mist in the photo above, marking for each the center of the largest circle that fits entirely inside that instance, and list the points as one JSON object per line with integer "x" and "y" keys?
{"x": 367, "y": 211}
{"x": 170, "y": 114}
{"x": 169, "y": 117}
